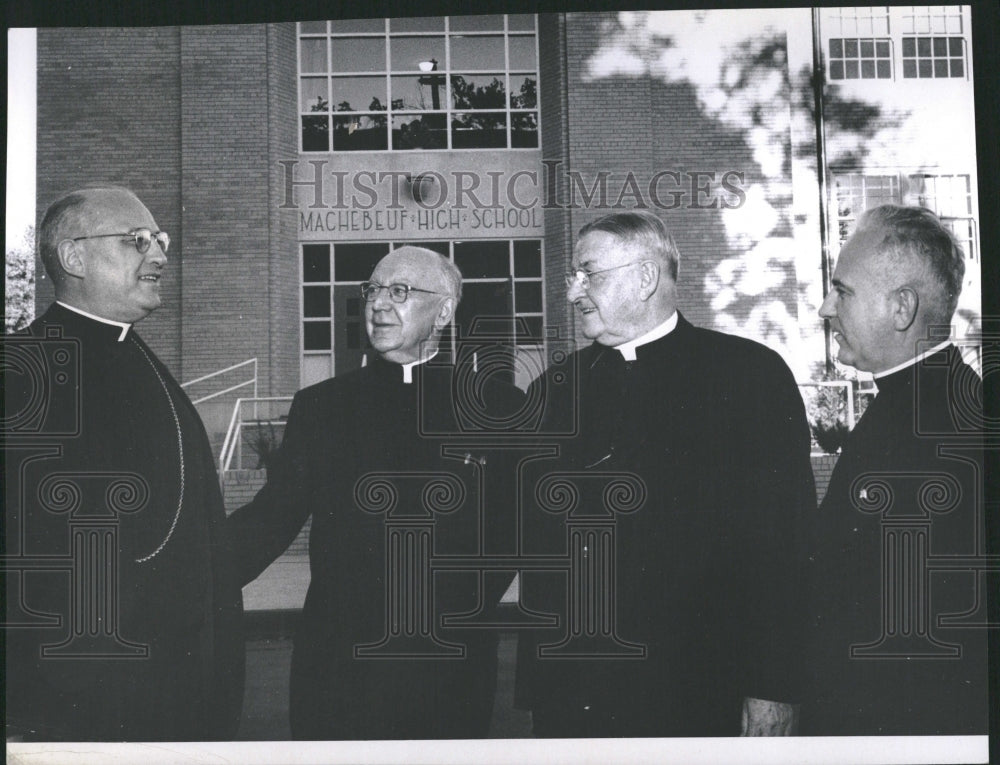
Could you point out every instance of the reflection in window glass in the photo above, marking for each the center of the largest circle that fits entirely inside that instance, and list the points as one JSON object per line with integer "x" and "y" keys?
{"x": 524, "y": 131}
{"x": 415, "y": 131}
{"x": 362, "y": 54}
{"x": 478, "y": 91}
{"x": 315, "y": 134}
{"x": 418, "y": 93}
{"x": 359, "y": 94}
{"x": 314, "y": 95}
{"x": 361, "y": 132}
{"x": 525, "y": 94}
{"x": 406, "y": 53}
{"x": 480, "y": 52}
{"x": 481, "y": 130}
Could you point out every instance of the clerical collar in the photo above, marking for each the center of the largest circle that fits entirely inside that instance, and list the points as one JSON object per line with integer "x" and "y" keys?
{"x": 407, "y": 368}
{"x": 121, "y": 325}
{"x": 911, "y": 362}
{"x": 628, "y": 349}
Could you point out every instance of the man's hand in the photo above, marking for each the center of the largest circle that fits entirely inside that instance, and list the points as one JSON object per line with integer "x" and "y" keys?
{"x": 768, "y": 718}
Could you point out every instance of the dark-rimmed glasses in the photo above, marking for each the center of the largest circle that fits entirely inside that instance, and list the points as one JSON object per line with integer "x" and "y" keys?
{"x": 142, "y": 238}
{"x": 397, "y": 292}
{"x": 583, "y": 277}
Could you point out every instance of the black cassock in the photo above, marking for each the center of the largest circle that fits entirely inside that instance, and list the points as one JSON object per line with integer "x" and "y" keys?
{"x": 365, "y": 453}
{"x": 907, "y": 490}
{"x": 707, "y": 576}
{"x": 147, "y": 649}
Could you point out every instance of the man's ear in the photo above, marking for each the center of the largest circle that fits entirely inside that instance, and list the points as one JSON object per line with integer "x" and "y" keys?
{"x": 905, "y": 303}
{"x": 71, "y": 259}
{"x": 445, "y": 312}
{"x": 650, "y": 271}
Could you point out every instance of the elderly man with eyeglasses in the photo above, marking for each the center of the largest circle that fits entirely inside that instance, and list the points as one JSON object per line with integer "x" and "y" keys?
{"x": 127, "y": 625}
{"x": 706, "y": 597}
{"x": 365, "y": 456}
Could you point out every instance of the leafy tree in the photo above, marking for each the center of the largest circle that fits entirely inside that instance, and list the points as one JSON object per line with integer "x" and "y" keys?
{"x": 20, "y": 273}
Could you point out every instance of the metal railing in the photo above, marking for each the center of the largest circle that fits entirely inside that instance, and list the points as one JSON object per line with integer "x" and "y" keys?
{"x": 252, "y": 381}
{"x": 232, "y": 446}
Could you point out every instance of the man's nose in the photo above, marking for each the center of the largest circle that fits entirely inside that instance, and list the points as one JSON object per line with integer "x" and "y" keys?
{"x": 575, "y": 291}
{"x": 156, "y": 255}
{"x": 828, "y": 309}
{"x": 381, "y": 300}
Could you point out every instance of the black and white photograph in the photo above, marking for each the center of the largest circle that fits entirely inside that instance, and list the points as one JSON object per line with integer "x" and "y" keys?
{"x": 501, "y": 384}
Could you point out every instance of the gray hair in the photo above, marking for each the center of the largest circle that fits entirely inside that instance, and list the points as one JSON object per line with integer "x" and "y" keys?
{"x": 917, "y": 233}
{"x": 640, "y": 229}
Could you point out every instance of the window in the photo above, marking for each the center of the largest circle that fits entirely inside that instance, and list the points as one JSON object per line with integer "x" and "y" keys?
{"x": 855, "y": 193}
{"x": 457, "y": 82}
{"x": 931, "y": 19}
{"x": 860, "y": 58}
{"x": 950, "y": 196}
{"x": 502, "y": 294}
{"x": 859, "y": 21}
{"x": 932, "y": 57}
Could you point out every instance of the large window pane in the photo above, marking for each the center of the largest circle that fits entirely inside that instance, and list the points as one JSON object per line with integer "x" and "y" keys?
{"x": 359, "y": 94}
{"x": 312, "y": 55}
{"x": 524, "y": 131}
{"x": 414, "y": 131}
{"x": 481, "y": 260}
{"x": 484, "y": 130}
{"x": 478, "y": 91}
{"x": 315, "y": 301}
{"x": 315, "y": 262}
{"x": 528, "y": 297}
{"x": 423, "y": 93}
{"x": 314, "y": 96}
{"x": 362, "y": 54}
{"x": 363, "y": 132}
{"x": 355, "y": 262}
{"x": 406, "y": 53}
{"x": 479, "y": 52}
{"x": 417, "y": 24}
{"x": 312, "y": 27}
{"x": 349, "y": 26}
{"x": 485, "y": 307}
{"x": 316, "y": 335}
{"x": 528, "y": 258}
{"x": 521, "y": 22}
{"x": 522, "y": 53}
{"x": 524, "y": 92}
{"x": 493, "y": 23}
{"x": 315, "y": 134}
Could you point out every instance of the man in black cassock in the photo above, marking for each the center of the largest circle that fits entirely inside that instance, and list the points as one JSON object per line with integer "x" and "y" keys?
{"x": 378, "y": 459}
{"x": 123, "y": 607}
{"x": 705, "y": 596}
{"x": 896, "y": 648}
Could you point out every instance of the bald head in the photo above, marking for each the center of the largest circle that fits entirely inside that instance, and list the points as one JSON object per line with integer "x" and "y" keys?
{"x": 407, "y": 331}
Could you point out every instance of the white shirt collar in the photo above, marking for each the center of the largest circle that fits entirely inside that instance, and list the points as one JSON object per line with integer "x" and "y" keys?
{"x": 664, "y": 329}
{"x": 121, "y": 325}
{"x": 407, "y": 368}
{"x": 911, "y": 362}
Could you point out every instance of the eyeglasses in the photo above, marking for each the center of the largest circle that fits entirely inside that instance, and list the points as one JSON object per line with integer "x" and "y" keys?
{"x": 397, "y": 292}
{"x": 142, "y": 238}
{"x": 583, "y": 277}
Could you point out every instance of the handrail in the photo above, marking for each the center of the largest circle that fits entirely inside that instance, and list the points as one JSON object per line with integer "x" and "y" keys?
{"x": 251, "y": 381}
{"x": 234, "y": 431}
